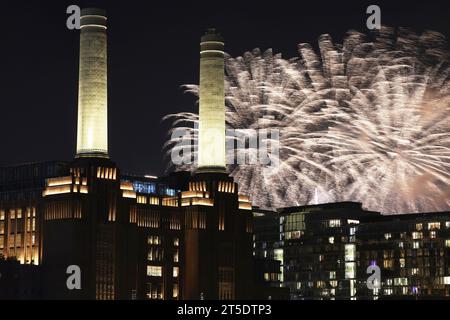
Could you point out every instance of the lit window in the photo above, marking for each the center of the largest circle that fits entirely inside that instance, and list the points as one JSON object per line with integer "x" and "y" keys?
{"x": 419, "y": 227}
{"x": 332, "y": 274}
{"x": 352, "y": 231}
{"x": 417, "y": 235}
{"x": 388, "y": 292}
{"x": 19, "y": 214}
{"x": 402, "y": 263}
{"x": 175, "y": 272}
{"x": 175, "y": 290}
{"x": 400, "y": 244}
{"x": 446, "y": 280}
{"x": 434, "y": 226}
{"x": 331, "y": 240}
{"x": 414, "y": 271}
{"x": 175, "y": 256}
{"x": 334, "y": 223}
{"x": 154, "y": 271}
{"x": 2, "y": 215}
{"x": 447, "y": 243}
{"x": 387, "y": 236}
{"x": 176, "y": 242}
{"x": 416, "y": 245}
{"x": 433, "y": 234}
{"x": 447, "y": 224}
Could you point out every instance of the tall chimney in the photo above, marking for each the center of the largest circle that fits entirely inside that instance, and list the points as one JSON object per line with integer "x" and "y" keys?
{"x": 92, "y": 134}
{"x": 211, "y": 153}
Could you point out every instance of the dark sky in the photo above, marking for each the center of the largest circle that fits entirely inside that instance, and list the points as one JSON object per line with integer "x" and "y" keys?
{"x": 153, "y": 50}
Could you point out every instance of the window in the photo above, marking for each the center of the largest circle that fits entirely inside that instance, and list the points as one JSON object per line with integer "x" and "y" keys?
{"x": 334, "y": 223}
{"x": 414, "y": 271}
{"x": 417, "y": 235}
{"x": 447, "y": 223}
{"x": 350, "y": 270}
{"x": 388, "y": 264}
{"x": 2, "y": 227}
{"x": 154, "y": 240}
{"x": 434, "y": 226}
{"x": 332, "y": 274}
{"x": 419, "y": 227}
{"x": 400, "y": 244}
{"x": 402, "y": 263}
{"x": 447, "y": 243}
{"x": 19, "y": 214}
{"x": 175, "y": 256}
{"x": 176, "y": 270}
{"x": 352, "y": 231}
{"x": 433, "y": 234}
{"x": 416, "y": 245}
{"x": 154, "y": 271}
{"x": 387, "y": 236}
{"x": 400, "y": 282}
{"x": 175, "y": 291}
{"x": 331, "y": 240}
{"x": 2, "y": 215}
{"x": 2, "y": 241}
{"x": 176, "y": 242}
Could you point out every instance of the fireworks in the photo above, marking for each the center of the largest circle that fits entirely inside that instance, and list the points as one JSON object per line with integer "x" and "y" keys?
{"x": 367, "y": 120}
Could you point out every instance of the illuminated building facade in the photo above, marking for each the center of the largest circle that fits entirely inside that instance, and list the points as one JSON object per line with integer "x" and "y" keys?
{"x": 327, "y": 249}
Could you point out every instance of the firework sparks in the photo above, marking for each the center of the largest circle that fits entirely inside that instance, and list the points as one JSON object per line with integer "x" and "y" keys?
{"x": 367, "y": 120}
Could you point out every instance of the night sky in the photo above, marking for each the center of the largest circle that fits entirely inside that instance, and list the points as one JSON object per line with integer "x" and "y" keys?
{"x": 153, "y": 50}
